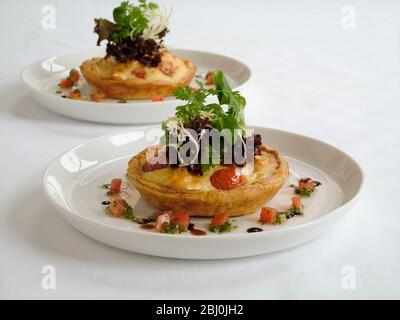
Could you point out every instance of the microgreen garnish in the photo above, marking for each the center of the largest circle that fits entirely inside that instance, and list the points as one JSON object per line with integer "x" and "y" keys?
{"x": 296, "y": 211}
{"x": 232, "y": 118}
{"x": 172, "y": 228}
{"x": 279, "y": 218}
{"x": 130, "y": 21}
{"x": 304, "y": 192}
{"x": 289, "y": 214}
{"x": 226, "y": 227}
{"x": 129, "y": 215}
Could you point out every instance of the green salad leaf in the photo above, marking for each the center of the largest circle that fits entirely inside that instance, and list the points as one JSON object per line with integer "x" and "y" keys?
{"x": 232, "y": 118}
{"x": 129, "y": 21}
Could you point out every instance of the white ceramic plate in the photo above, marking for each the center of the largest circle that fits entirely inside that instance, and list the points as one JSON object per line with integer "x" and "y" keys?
{"x": 42, "y": 79}
{"x": 72, "y": 184}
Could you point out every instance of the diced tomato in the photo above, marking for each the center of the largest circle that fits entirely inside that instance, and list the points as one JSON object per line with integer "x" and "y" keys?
{"x": 115, "y": 186}
{"x": 157, "y": 98}
{"x": 306, "y": 184}
{"x": 66, "y": 83}
{"x": 210, "y": 78}
{"x": 156, "y": 214}
{"x": 97, "y": 96}
{"x": 167, "y": 68}
{"x": 219, "y": 219}
{"x": 182, "y": 219}
{"x": 75, "y": 95}
{"x": 227, "y": 179}
{"x": 74, "y": 75}
{"x": 117, "y": 207}
{"x": 140, "y": 73}
{"x": 267, "y": 215}
{"x": 296, "y": 202}
{"x": 161, "y": 219}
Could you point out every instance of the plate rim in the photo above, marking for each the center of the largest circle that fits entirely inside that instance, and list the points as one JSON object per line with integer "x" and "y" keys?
{"x": 336, "y": 212}
{"x": 114, "y": 102}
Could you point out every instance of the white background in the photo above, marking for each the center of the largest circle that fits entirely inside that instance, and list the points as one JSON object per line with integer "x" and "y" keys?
{"x": 311, "y": 76}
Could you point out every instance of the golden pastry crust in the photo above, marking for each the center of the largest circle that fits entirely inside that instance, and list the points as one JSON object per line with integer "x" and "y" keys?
{"x": 126, "y": 81}
{"x": 271, "y": 172}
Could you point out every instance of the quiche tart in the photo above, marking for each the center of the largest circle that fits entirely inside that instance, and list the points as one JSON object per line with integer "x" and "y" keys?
{"x": 190, "y": 171}
{"x": 133, "y": 80}
{"x": 137, "y": 64}
{"x": 176, "y": 189}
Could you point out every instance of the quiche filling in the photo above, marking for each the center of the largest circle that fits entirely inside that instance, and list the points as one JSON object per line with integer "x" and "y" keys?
{"x": 180, "y": 178}
{"x": 171, "y": 69}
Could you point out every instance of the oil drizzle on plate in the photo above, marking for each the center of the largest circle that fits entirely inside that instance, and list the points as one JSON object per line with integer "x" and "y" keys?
{"x": 196, "y": 232}
{"x": 147, "y": 226}
{"x": 254, "y": 229}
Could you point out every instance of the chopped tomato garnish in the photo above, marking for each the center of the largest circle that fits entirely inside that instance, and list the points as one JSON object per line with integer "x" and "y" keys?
{"x": 115, "y": 186}
{"x": 140, "y": 73}
{"x": 117, "y": 207}
{"x": 75, "y": 95}
{"x": 156, "y": 214}
{"x": 69, "y": 82}
{"x": 66, "y": 83}
{"x": 181, "y": 219}
{"x": 296, "y": 202}
{"x": 97, "y": 96}
{"x": 227, "y": 179}
{"x": 219, "y": 219}
{"x": 74, "y": 75}
{"x": 306, "y": 184}
{"x": 210, "y": 78}
{"x": 161, "y": 219}
{"x": 267, "y": 215}
{"x": 157, "y": 98}
{"x": 167, "y": 68}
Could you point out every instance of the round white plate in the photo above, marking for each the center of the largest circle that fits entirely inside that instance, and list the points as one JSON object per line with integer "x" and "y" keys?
{"x": 43, "y": 78}
{"x": 72, "y": 184}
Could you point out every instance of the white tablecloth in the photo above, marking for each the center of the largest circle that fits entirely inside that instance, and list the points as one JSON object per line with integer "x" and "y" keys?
{"x": 315, "y": 72}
